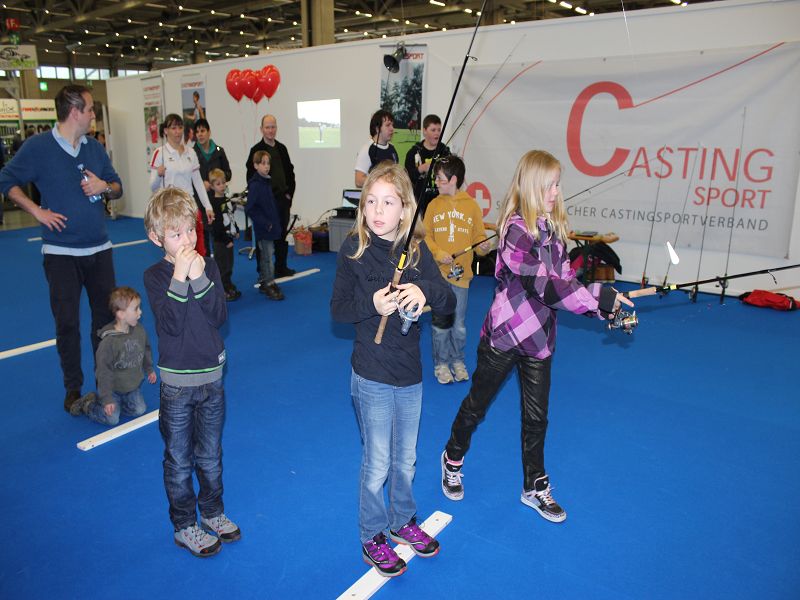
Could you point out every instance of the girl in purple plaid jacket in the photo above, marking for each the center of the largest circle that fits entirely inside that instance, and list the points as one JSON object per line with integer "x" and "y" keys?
{"x": 534, "y": 281}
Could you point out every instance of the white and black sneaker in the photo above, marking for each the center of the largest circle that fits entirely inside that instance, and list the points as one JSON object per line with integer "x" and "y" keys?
{"x": 540, "y": 498}
{"x": 451, "y": 479}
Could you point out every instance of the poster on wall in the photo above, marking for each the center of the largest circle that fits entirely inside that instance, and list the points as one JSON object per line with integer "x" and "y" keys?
{"x": 699, "y": 147}
{"x": 193, "y": 97}
{"x": 153, "y": 92}
{"x": 402, "y": 94}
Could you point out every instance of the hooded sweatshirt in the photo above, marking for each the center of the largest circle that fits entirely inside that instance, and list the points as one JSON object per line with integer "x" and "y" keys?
{"x": 122, "y": 361}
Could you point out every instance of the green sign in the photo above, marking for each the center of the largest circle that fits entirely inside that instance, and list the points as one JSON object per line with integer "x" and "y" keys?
{"x": 43, "y": 86}
{"x": 13, "y": 37}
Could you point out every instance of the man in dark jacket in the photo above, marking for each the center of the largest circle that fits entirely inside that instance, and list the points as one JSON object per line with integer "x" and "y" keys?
{"x": 210, "y": 156}
{"x": 283, "y": 185}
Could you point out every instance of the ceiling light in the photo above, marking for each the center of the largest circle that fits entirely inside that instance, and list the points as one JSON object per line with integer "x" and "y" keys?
{"x": 129, "y": 20}
{"x": 50, "y": 40}
{"x": 116, "y": 33}
{"x": 408, "y": 22}
{"x": 437, "y": 3}
{"x": 145, "y": 36}
{"x": 188, "y": 27}
{"x": 580, "y": 10}
{"x": 468, "y": 11}
{"x": 565, "y": 4}
{"x": 212, "y": 11}
{"x": 368, "y": 15}
{"x": 269, "y": 19}
{"x": 241, "y": 32}
{"x": 160, "y": 24}
{"x": 180, "y": 7}
{"x": 85, "y": 31}
{"x": 346, "y": 30}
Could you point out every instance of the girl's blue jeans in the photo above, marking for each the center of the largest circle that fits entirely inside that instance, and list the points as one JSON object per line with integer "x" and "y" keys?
{"x": 389, "y": 420}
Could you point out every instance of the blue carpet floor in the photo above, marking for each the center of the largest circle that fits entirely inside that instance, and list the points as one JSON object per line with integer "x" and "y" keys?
{"x": 674, "y": 451}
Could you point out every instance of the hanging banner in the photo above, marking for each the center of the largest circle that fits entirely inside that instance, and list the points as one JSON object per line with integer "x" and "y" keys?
{"x": 193, "y": 97}
{"x": 153, "y": 96}
{"x": 402, "y": 94}
{"x": 18, "y": 57}
{"x": 702, "y": 145}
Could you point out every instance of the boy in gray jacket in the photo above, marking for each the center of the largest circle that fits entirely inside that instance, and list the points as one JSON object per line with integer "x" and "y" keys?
{"x": 123, "y": 358}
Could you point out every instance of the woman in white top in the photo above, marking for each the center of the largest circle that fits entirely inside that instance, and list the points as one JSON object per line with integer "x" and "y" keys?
{"x": 175, "y": 165}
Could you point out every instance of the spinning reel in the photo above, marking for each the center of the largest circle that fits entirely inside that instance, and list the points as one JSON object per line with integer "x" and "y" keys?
{"x": 625, "y": 321}
{"x": 456, "y": 271}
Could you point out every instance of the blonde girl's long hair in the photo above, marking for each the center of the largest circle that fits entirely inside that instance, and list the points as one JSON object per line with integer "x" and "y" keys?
{"x": 396, "y": 175}
{"x": 535, "y": 173}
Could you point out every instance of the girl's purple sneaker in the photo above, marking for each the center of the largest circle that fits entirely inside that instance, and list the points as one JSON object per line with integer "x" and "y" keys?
{"x": 378, "y": 553}
{"x": 421, "y": 543}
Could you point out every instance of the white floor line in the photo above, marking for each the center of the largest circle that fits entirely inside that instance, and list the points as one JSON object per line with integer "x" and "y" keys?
{"x": 371, "y": 581}
{"x": 28, "y": 348}
{"x": 119, "y": 430}
{"x": 291, "y": 277}
{"x": 133, "y": 243}
{"x": 36, "y": 239}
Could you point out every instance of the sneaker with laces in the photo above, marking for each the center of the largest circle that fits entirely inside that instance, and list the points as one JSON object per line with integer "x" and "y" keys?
{"x": 378, "y": 553}
{"x": 221, "y": 526}
{"x": 460, "y": 371}
{"x": 421, "y": 543}
{"x": 540, "y": 498}
{"x": 197, "y": 541}
{"x": 451, "y": 479}
{"x": 443, "y": 374}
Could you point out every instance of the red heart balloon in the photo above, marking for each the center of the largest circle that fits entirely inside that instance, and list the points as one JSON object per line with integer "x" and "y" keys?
{"x": 269, "y": 80}
{"x": 258, "y": 96}
{"x": 249, "y": 82}
{"x": 233, "y": 83}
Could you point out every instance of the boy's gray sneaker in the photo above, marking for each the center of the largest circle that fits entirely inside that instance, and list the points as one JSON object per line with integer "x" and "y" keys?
{"x": 197, "y": 541}
{"x": 460, "y": 371}
{"x": 81, "y": 404}
{"x": 443, "y": 374}
{"x": 221, "y": 526}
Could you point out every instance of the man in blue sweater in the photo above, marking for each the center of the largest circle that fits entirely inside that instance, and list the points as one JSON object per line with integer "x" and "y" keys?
{"x": 73, "y": 173}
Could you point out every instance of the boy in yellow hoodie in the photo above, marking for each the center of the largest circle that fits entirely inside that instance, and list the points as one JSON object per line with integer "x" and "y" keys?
{"x": 453, "y": 221}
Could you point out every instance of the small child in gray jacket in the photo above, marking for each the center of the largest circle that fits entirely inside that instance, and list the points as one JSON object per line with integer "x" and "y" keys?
{"x": 123, "y": 358}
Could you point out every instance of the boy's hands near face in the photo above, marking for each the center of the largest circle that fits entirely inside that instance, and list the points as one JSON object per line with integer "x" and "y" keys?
{"x": 197, "y": 267}
{"x": 184, "y": 258}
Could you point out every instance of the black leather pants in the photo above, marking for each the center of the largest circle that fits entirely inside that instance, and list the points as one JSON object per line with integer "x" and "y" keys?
{"x": 534, "y": 379}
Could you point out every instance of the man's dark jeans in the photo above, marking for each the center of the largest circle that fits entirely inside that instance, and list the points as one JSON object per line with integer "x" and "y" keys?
{"x": 67, "y": 276}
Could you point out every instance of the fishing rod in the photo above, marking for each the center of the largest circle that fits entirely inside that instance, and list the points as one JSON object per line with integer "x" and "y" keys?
{"x": 721, "y": 280}
{"x": 401, "y": 264}
{"x": 457, "y": 270}
{"x": 486, "y": 87}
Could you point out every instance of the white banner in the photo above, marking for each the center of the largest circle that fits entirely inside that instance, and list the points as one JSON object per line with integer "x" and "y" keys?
{"x": 153, "y": 101}
{"x": 700, "y": 146}
{"x": 38, "y": 110}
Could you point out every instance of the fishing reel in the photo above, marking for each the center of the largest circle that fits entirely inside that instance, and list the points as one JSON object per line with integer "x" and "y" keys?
{"x": 625, "y": 321}
{"x": 407, "y": 317}
{"x": 456, "y": 271}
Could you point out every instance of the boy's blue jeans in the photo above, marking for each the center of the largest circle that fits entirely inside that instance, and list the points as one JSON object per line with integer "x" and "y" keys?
{"x": 389, "y": 420}
{"x": 266, "y": 270}
{"x": 448, "y": 344}
{"x": 190, "y": 421}
{"x": 131, "y": 404}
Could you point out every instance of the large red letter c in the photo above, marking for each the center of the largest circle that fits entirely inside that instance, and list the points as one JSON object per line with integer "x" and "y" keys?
{"x": 575, "y": 122}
